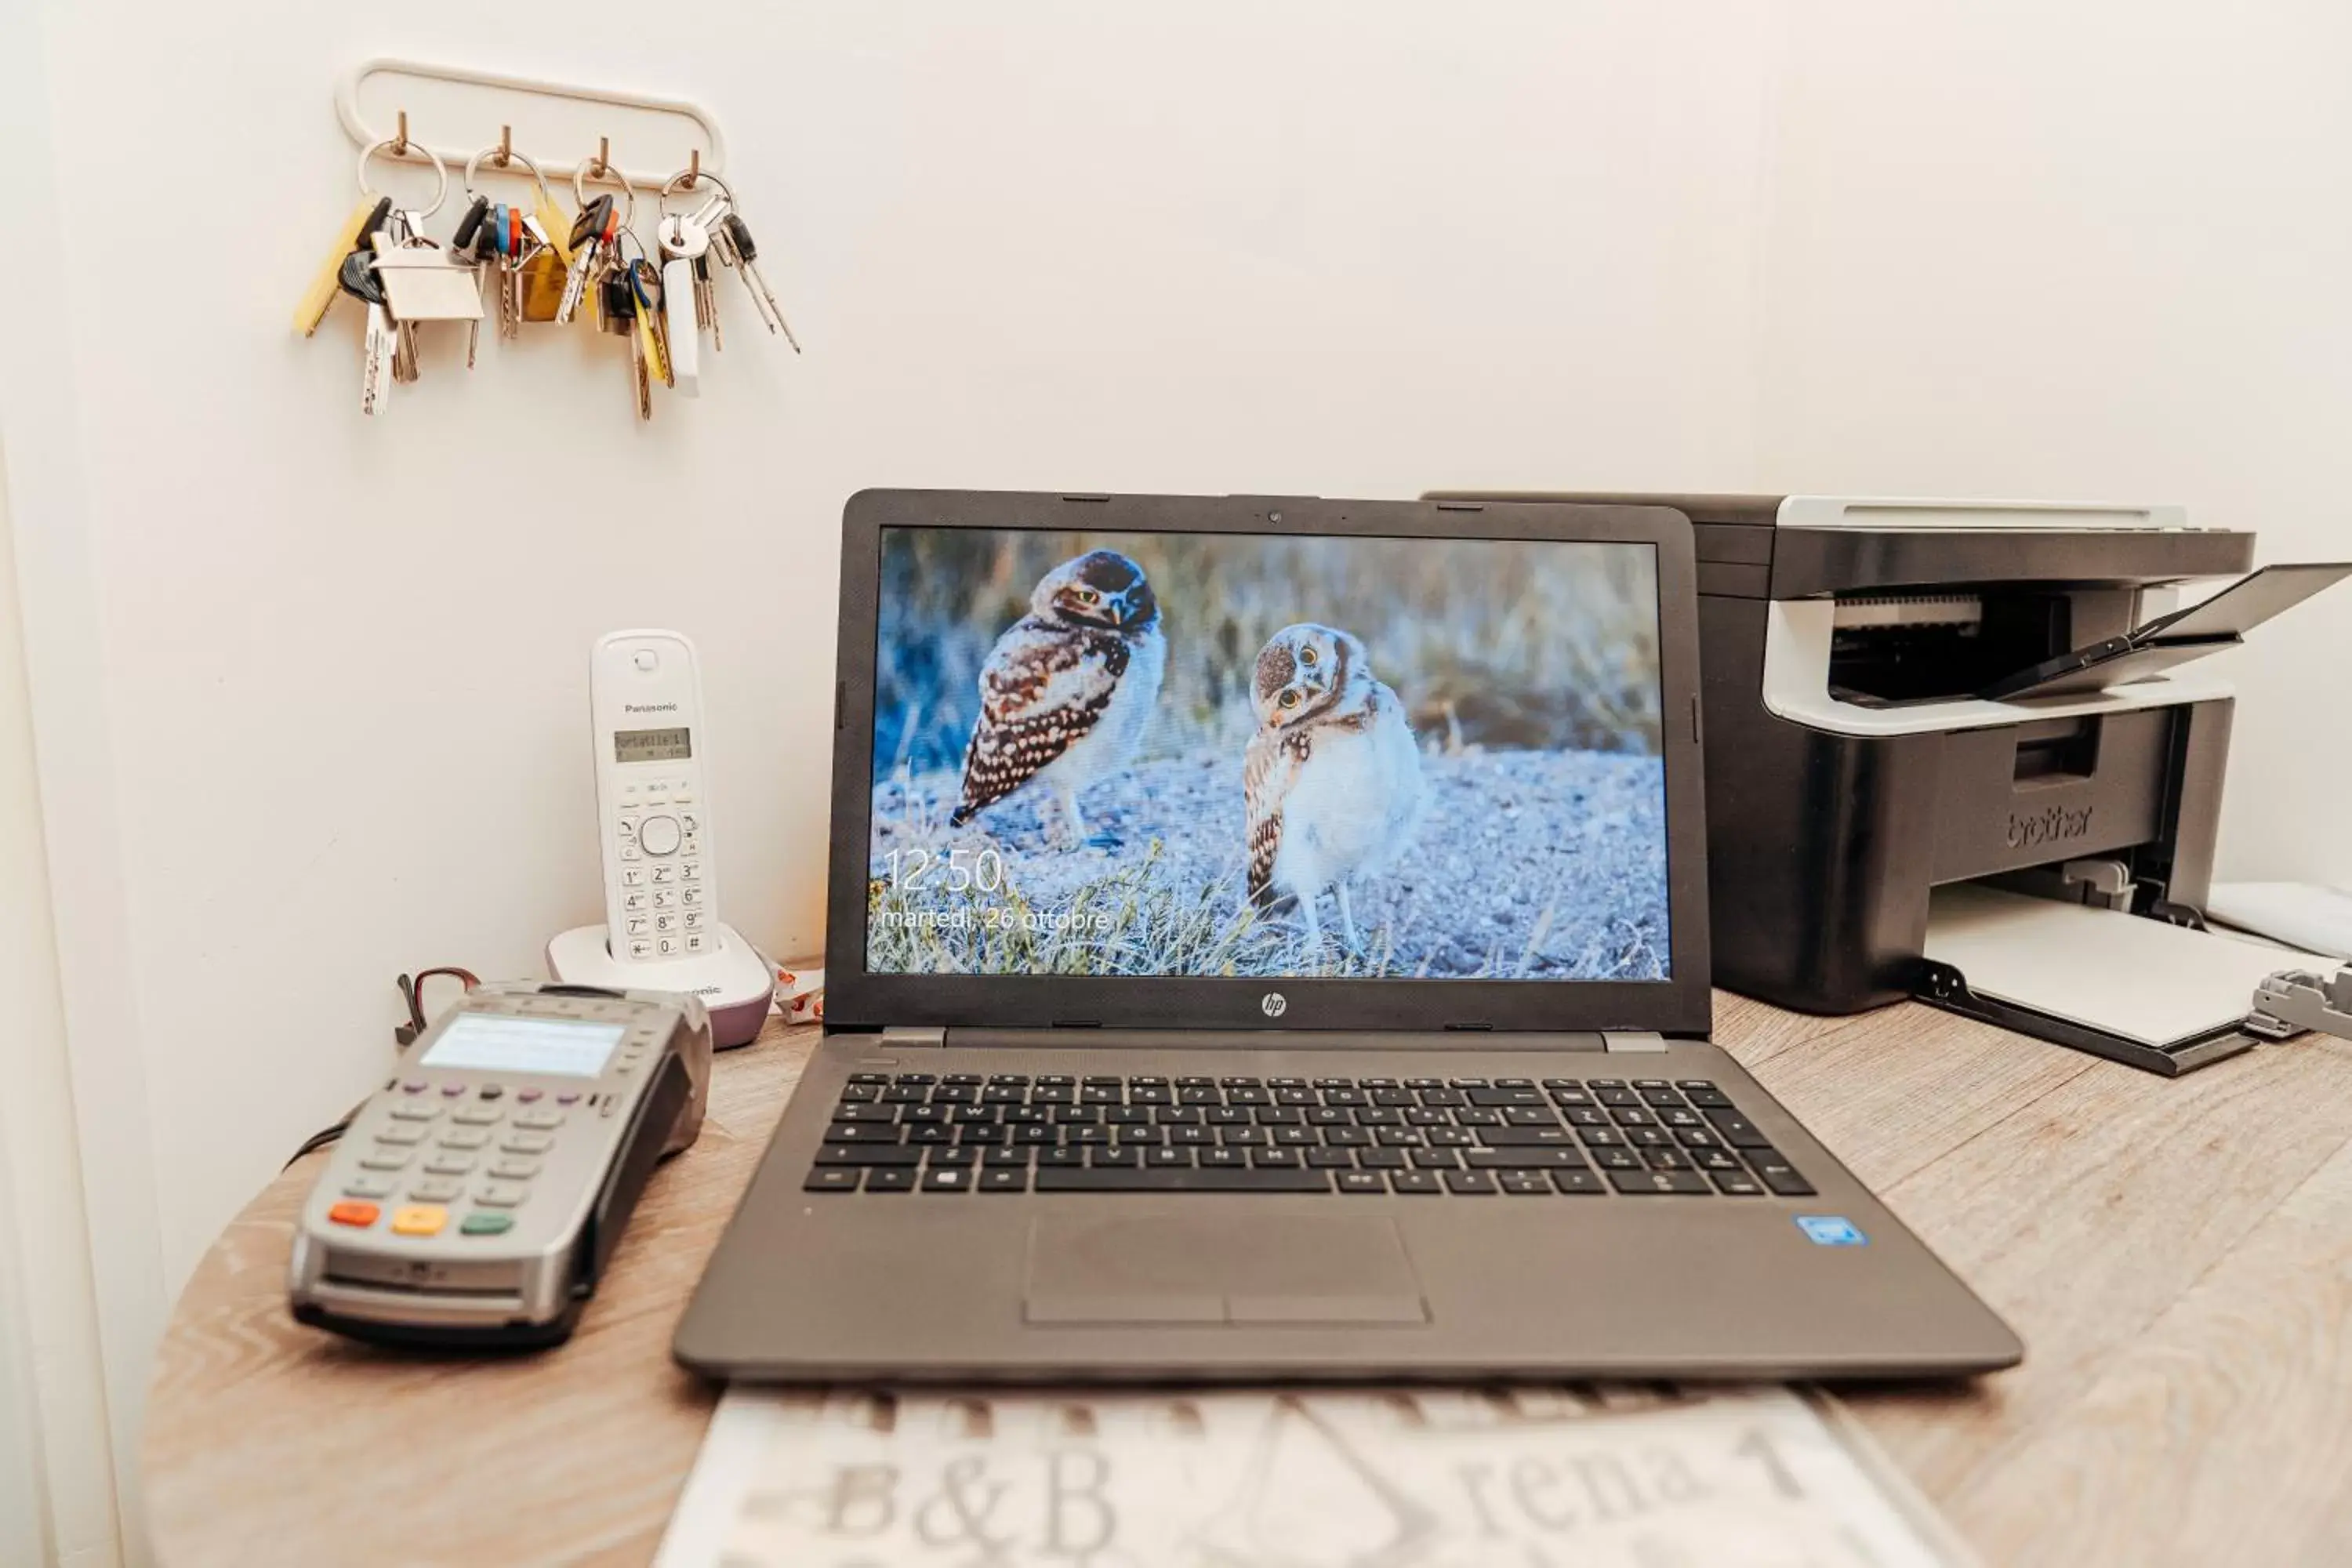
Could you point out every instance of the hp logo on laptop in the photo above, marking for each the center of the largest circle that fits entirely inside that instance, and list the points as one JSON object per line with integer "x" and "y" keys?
{"x": 1272, "y": 1005}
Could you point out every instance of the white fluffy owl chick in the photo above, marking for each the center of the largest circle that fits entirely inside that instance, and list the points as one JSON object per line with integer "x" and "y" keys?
{"x": 1333, "y": 778}
{"x": 1067, "y": 689}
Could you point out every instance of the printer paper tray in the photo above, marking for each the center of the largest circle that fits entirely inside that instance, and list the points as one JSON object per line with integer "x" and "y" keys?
{"x": 2136, "y": 990}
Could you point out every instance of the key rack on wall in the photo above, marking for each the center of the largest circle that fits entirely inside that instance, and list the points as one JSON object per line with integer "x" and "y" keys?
{"x": 455, "y": 112}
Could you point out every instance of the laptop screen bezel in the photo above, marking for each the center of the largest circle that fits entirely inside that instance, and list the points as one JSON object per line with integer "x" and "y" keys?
{"x": 856, "y": 998}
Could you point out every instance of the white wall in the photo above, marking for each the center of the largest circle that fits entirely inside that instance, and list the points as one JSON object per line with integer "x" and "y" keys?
{"x": 338, "y": 665}
{"x": 2095, "y": 249}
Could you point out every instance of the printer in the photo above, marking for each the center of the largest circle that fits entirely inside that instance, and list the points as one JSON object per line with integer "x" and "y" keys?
{"x": 1940, "y": 734}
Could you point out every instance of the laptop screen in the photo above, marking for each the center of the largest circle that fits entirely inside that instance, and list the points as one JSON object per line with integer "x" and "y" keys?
{"x": 1224, "y": 754}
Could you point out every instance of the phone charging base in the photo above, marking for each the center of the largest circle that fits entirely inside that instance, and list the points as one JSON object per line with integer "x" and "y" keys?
{"x": 737, "y": 982}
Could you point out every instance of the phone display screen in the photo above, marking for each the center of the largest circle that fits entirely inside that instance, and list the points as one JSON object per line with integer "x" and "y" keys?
{"x": 673, "y": 745}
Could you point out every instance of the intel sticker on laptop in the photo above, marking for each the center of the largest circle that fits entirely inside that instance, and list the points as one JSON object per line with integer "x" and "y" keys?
{"x": 1830, "y": 1230}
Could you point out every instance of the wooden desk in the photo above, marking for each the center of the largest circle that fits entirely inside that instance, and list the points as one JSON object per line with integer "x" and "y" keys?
{"x": 2177, "y": 1254}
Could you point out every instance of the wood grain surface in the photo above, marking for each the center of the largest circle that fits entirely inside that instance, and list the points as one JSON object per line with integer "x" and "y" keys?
{"x": 2177, "y": 1254}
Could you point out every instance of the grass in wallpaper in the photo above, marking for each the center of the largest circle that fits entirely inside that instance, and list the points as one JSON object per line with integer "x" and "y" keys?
{"x": 1198, "y": 754}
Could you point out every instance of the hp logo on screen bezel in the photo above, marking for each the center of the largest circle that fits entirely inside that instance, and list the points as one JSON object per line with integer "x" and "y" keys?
{"x": 1272, "y": 1005}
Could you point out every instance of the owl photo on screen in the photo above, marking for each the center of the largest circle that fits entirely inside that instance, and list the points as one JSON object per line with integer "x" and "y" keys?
{"x": 1332, "y": 777}
{"x": 1067, "y": 691}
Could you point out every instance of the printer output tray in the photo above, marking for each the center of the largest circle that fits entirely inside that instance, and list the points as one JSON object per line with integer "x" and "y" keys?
{"x": 2135, "y": 989}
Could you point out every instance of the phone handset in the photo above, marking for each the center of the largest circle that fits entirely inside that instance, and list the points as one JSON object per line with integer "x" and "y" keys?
{"x": 653, "y": 797}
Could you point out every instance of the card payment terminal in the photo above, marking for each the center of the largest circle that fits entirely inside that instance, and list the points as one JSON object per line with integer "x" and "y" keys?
{"x": 478, "y": 1193}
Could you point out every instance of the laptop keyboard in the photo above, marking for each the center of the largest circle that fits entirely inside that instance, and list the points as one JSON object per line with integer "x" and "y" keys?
{"x": 1010, "y": 1132}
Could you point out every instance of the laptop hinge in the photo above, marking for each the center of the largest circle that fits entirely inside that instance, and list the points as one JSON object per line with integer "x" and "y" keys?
{"x": 1631, "y": 1040}
{"x": 909, "y": 1037}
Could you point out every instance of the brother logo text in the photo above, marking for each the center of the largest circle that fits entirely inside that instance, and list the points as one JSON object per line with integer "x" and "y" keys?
{"x": 2048, "y": 827}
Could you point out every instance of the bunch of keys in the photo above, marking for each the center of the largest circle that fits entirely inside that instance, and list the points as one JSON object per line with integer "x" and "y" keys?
{"x": 595, "y": 236}
{"x": 517, "y": 251}
{"x": 400, "y": 276}
{"x": 629, "y": 305}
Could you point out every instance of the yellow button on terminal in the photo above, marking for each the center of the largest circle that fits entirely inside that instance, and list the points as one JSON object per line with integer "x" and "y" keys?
{"x": 419, "y": 1219}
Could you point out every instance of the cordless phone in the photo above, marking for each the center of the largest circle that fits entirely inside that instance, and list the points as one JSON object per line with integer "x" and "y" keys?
{"x": 653, "y": 797}
{"x": 661, "y": 931}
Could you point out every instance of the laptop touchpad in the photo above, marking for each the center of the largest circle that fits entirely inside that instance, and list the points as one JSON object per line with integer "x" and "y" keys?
{"x": 1204, "y": 1267}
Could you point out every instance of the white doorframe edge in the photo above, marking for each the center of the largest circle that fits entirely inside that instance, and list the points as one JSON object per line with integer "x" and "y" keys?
{"x": 41, "y": 423}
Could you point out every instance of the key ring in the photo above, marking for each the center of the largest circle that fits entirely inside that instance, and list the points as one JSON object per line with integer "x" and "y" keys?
{"x": 503, "y": 154}
{"x": 440, "y": 170}
{"x": 605, "y": 170}
{"x": 686, "y": 179}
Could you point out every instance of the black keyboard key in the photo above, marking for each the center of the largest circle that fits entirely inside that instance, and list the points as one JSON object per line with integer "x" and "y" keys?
{"x": 1781, "y": 1177}
{"x": 1335, "y": 1083}
{"x": 1346, "y": 1137}
{"x": 1529, "y": 1116}
{"x": 860, "y": 1094}
{"x": 1436, "y": 1159}
{"x": 1149, "y": 1080}
{"x": 1295, "y": 1137}
{"x": 1330, "y": 1160}
{"x": 905, "y": 1095}
{"x": 1380, "y": 1159}
{"x": 955, "y": 1094}
{"x": 1113, "y": 1160}
{"x": 930, "y": 1133}
{"x": 1396, "y": 1099}
{"x": 1223, "y": 1159}
{"x": 1398, "y": 1137}
{"x": 1005, "y": 1157}
{"x": 1149, "y": 1179}
{"x": 835, "y": 1180}
{"x": 1524, "y": 1159}
{"x": 1477, "y": 1118}
{"x": 1577, "y": 1183}
{"x": 1055, "y": 1080}
{"x": 1053, "y": 1094}
{"x": 1469, "y": 1184}
{"x": 1564, "y": 1097}
{"x": 865, "y": 1113}
{"x": 1502, "y": 1098}
{"x": 1226, "y": 1116}
{"x": 1638, "y": 1181}
{"x": 951, "y": 1180}
{"x": 1618, "y": 1160}
{"x": 1680, "y": 1116}
{"x": 1151, "y": 1096}
{"x": 915, "y": 1077}
{"x": 1361, "y": 1182}
{"x": 946, "y": 1159}
{"x": 1097, "y": 1094}
{"x": 1600, "y": 1136}
{"x": 1004, "y": 1181}
{"x": 1647, "y": 1138}
{"x": 1380, "y": 1116}
{"x": 1737, "y": 1130}
{"x": 1614, "y": 1096}
{"x": 1061, "y": 1157}
{"x": 1243, "y": 1137}
{"x": 869, "y": 1078}
{"x": 1666, "y": 1159}
{"x": 1449, "y": 1137}
{"x": 1167, "y": 1159}
{"x": 1349, "y": 1096}
{"x": 1019, "y": 1078}
{"x": 981, "y": 1136}
{"x": 1714, "y": 1160}
{"x": 1443, "y": 1097}
{"x": 1736, "y": 1184}
{"x": 1276, "y": 1159}
{"x": 999, "y": 1094}
{"x": 1239, "y": 1082}
{"x": 868, "y": 1154}
{"x": 962, "y": 1077}
{"x": 1588, "y": 1115}
{"x": 1633, "y": 1116}
{"x": 1522, "y": 1184}
{"x": 890, "y": 1179}
{"x": 1661, "y": 1097}
{"x": 1416, "y": 1182}
{"x": 1706, "y": 1097}
{"x": 1526, "y": 1137}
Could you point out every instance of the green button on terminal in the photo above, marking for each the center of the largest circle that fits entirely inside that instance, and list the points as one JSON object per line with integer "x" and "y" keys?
{"x": 479, "y": 1224}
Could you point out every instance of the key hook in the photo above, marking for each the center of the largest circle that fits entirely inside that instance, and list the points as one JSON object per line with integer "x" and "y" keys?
{"x": 392, "y": 144}
{"x": 601, "y": 168}
{"x": 502, "y": 154}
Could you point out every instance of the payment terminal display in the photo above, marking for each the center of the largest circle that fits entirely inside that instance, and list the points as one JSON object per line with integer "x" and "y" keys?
{"x": 488, "y": 1042}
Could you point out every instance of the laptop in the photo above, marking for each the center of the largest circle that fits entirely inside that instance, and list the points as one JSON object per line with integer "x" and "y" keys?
{"x": 1268, "y": 940}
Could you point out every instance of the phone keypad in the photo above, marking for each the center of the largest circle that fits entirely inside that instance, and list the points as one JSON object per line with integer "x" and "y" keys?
{"x": 658, "y": 845}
